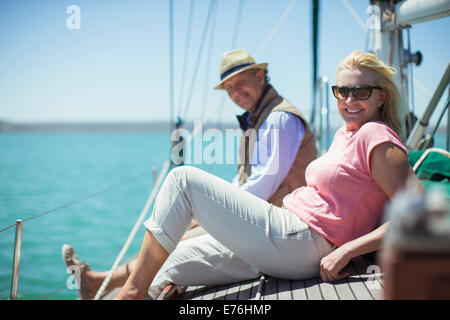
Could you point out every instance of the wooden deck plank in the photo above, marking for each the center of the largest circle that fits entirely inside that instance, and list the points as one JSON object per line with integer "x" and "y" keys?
{"x": 284, "y": 289}
{"x": 298, "y": 290}
{"x": 312, "y": 289}
{"x": 255, "y": 287}
{"x": 233, "y": 291}
{"x": 205, "y": 293}
{"x": 328, "y": 291}
{"x": 221, "y": 292}
{"x": 245, "y": 290}
{"x": 371, "y": 274}
{"x": 343, "y": 290}
{"x": 270, "y": 289}
{"x": 357, "y": 285}
{"x": 189, "y": 292}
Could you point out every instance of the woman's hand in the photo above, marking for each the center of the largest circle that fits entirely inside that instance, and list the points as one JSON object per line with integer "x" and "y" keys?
{"x": 332, "y": 264}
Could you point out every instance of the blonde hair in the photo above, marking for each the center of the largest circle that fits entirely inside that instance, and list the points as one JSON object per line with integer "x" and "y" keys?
{"x": 390, "y": 111}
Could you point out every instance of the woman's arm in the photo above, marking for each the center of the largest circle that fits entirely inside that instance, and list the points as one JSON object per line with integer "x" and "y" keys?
{"x": 390, "y": 170}
{"x": 332, "y": 264}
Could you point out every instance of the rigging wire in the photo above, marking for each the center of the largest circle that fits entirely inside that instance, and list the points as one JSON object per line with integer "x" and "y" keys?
{"x": 135, "y": 229}
{"x": 355, "y": 14}
{"x": 438, "y": 122}
{"x": 276, "y": 27}
{"x": 237, "y": 24}
{"x": 171, "y": 124}
{"x": 186, "y": 54}
{"x": 219, "y": 106}
{"x": 361, "y": 23}
{"x": 133, "y": 233}
{"x": 315, "y": 40}
{"x": 208, "y": 62}
{"x": 83, "y": 198}
{"x": 199, "y": 57}
{"x": 94, "y": 266}
{"x": 411, "y": 76}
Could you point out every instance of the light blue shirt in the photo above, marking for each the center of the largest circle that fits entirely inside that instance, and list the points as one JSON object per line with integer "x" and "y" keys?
{"x": 279, "y": 138}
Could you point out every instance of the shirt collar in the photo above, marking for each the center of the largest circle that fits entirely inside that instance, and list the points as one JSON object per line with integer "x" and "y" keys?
{"x": 246, "y": 120}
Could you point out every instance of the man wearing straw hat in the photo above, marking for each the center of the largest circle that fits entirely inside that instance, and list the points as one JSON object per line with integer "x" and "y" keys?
{"x": 273, "y": 127}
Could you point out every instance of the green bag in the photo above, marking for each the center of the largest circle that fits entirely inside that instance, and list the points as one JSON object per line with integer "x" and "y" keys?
{"x": 434, "y": 169}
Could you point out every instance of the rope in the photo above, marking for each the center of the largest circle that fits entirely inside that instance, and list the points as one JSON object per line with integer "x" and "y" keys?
{"x": 81, "y": 199}
{"x": 138, "y": 223}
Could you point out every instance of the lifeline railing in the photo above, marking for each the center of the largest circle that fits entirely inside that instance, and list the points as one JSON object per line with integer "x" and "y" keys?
{"x": 19, "y": 222}
{"x": 138, "y": 223}
{"x": 157, "y": 182}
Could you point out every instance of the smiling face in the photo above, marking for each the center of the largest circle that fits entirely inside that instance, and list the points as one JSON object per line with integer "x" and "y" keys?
{"x": 246, "y": 88}
{"x": 357, "y": 112}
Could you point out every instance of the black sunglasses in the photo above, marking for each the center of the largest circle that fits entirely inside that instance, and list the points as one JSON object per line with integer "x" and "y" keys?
{"x": 359, "y": 92}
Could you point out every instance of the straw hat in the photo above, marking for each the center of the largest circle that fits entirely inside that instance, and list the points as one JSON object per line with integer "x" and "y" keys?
{"x": 234, "y": 62}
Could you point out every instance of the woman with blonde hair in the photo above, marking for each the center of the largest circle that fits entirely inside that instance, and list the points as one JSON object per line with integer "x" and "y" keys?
{"x": 390, "y": 111}
{"x": 320, "y": 227}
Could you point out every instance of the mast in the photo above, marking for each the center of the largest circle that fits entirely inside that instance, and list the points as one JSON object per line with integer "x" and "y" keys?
{"x": 390, "y": 18}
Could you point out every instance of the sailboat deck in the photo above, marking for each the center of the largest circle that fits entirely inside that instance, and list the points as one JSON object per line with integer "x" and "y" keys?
{"x": 362, "y": 284}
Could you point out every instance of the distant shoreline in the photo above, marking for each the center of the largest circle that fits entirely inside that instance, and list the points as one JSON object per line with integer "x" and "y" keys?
{"x": 6, "y": 126}
{"x": 103, "y": 126}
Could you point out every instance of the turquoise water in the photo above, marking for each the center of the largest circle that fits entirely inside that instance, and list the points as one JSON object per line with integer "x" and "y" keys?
{"x": 43, "y": 171}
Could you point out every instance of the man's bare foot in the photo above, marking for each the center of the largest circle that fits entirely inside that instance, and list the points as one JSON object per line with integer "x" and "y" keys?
{"x": 86, "y": 281}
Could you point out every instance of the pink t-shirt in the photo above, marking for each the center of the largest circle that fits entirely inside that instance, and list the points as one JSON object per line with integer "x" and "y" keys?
{"x": 341, "y": 201}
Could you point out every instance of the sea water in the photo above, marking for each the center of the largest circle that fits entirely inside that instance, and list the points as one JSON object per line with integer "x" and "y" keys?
{"x": 43, "y": 171}
{"x": 40, "y": 172}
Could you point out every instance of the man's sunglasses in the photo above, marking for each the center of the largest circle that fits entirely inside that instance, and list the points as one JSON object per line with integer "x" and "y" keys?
{"x": 358, "y": 92}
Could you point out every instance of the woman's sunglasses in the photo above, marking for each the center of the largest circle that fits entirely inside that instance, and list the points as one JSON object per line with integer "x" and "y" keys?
{"x": 358, "y": 92}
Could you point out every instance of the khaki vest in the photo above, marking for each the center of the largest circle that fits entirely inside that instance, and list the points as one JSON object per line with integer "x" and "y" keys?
{"x": 306, "y": 153}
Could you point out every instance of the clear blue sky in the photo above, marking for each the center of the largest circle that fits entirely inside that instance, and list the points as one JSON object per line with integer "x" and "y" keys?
{"x": 116, "y": 66}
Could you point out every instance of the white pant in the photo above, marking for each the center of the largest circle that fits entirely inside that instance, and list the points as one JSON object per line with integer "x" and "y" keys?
{"x": 247, "y": 235}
